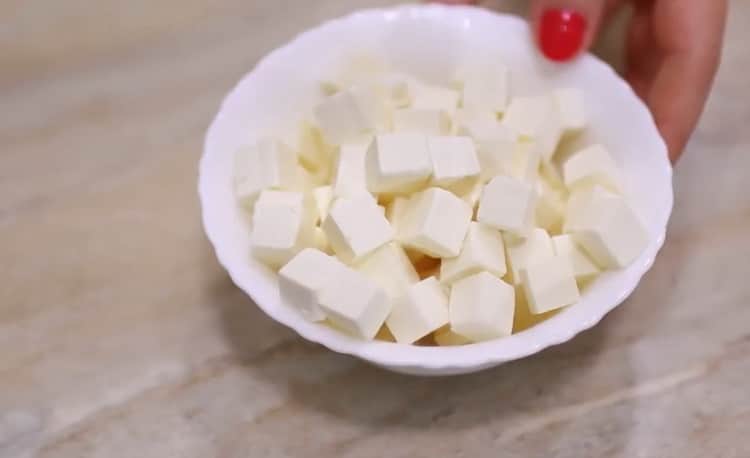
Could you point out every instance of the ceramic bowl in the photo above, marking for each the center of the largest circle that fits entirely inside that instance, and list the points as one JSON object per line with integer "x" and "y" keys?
{"x": 430, "y": 42}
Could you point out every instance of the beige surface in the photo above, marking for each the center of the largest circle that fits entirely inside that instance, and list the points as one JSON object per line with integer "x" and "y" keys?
{"x": 121, "y": 337}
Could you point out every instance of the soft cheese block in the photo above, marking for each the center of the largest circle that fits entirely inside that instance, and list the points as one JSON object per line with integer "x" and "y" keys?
{"x": 454, "y": 162}
{"x": 420, "y": 310}
{"x": 350, "y": 176}
{"x": 486, "y": 87}
{"x": 481, "y": 307}
{"x": 508, "y": 204}
{"x": 483, "y": 250}
{"x": 592, "y": 166}
{"x": 422, "y": 121}
{"x": 390, "y": 268}
{"x": 430, "y": 97}
{"x": 436, "y": 223}
{"x": 496, "y": 145}
{"x": 536, "y": 118}
{"x": 267, "y": 164}
{"x": 398, "y": 163}
{"x": 549, "y": 283}
{"x": 583, "y": 267}
{"x": 283, "y": 224}
{"x": 302, "y": 280}
{"x": 606, "y": 227}
{"x": 537, "y": 244}
{"x": 356, "y": 227}
{"x": 355, "y": 304}
{"x": 572, "y": 108}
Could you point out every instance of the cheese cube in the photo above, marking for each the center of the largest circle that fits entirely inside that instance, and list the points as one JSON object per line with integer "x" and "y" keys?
{"x": 538, "y": 244}
{"x": 549, "y": 284}
{"x": 496, "y": 145}
{"x": 481, "y": 307}
{"x": 429, "y": 97}
{"x": 486, "y": 88}
{"x": 283, "y": 225}
{"x": 347, "y": 115}
{"x": 463, "y": 118}
{"x": 483, "y": 250}
{"x": 398, "y": 163}
{"x": 389, "y": 268}
{"x": 312, "y": 150}
{"x": 454, "y": 162}
{"x": 550, "y": 209}
{"x": 302, "y": 280}
{"x": 591, "y": 166}
{"x": 320, "y": 241}
{"x": 350, "y": 179}
{"x": 397, "y": 89}
{"x": 526, "y": 161}
{"x": 507, "y": 204}
{"x": 606, "y": 228}
{"x": 571, "y": 105}
{"x": 436, "y": 223}
{"x": 536, "y": 118}
{"x": 444, "y": 337}
{"x": 420, "y": 310}
{"x": 428, "y": 122}
{"x": 268, "y": 164}
{"x": 395, "y": 211}
{"x": 355, "y": 304}
{"x": 323, "y": 196}
{"x": 473, "y": 195}
{"x": 356, "y": 227}
{"x": 583, "y": 267}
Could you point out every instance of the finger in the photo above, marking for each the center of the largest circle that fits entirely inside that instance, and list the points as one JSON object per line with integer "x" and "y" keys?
{"x": 691, "y": 39}
{"x": 563, "y": 28}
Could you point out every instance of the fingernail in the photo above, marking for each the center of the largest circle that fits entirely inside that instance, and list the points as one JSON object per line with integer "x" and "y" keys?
{"x": 561, "y": 33}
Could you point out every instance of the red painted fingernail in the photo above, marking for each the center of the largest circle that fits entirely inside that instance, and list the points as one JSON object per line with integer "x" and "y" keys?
{"x": 561, "y": 34}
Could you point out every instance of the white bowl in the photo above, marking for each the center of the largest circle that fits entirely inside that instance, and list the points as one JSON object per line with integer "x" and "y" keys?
{"x": 429, "y": 42}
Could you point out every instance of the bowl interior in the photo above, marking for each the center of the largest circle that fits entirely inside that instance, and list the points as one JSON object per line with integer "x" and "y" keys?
{"x": 430, "y": 42}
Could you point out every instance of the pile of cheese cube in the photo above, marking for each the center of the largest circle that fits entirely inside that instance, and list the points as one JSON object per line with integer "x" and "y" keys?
{"x": 435, "y": 215}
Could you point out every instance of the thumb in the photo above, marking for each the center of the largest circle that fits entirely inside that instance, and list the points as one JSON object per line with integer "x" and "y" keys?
{"x": 564, "y": 28}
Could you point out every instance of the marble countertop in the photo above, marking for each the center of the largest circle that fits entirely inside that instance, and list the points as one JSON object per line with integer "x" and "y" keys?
{"x": 120, "y": 336}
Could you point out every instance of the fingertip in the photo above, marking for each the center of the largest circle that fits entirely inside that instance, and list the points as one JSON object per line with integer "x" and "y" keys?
{"x": 561, "y": 33}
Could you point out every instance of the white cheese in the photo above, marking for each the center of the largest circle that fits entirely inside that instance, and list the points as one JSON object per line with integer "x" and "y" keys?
{"x": 571, "y": 105}
{"x": 356, "y": 227}
{"x": 538, "y": 244}
{"x": 268, "y": 164}
{"x": 436, "y": 223}
{"x": 283, "y": 224}
{"x": 536, "y": 118}
{"x": 583, "y": 267}
{"x": 429, "y": 97}
{"x": 454, "y": 162}
{"x": 549, "y": 284}
{"x": 605, "y": 227}
{"x": 486, "y": 88}
{"x": 420, "y": 310}
{"x": 389, "y": 268}
{"x": 303, "y": 278}
{"x": 323, "y": 196}
{"x": 483, "y": 250}
{"x": 496, "y": 145}
{"x": 507, "y": 204}
{"x": 592, "y": 166}
{"x": 346, "y": 116}
{"x": 481, "y": 307}
{"x": 398, "y": 163}
{"x": 350, "y": 178}
{"x": 355, "y": 304}
{"x": 423, "y": 121}
{"x": 444, "y": 337}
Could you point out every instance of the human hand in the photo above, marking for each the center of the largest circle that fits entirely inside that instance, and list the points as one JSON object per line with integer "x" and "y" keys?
{"x": 673, "y": 51}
